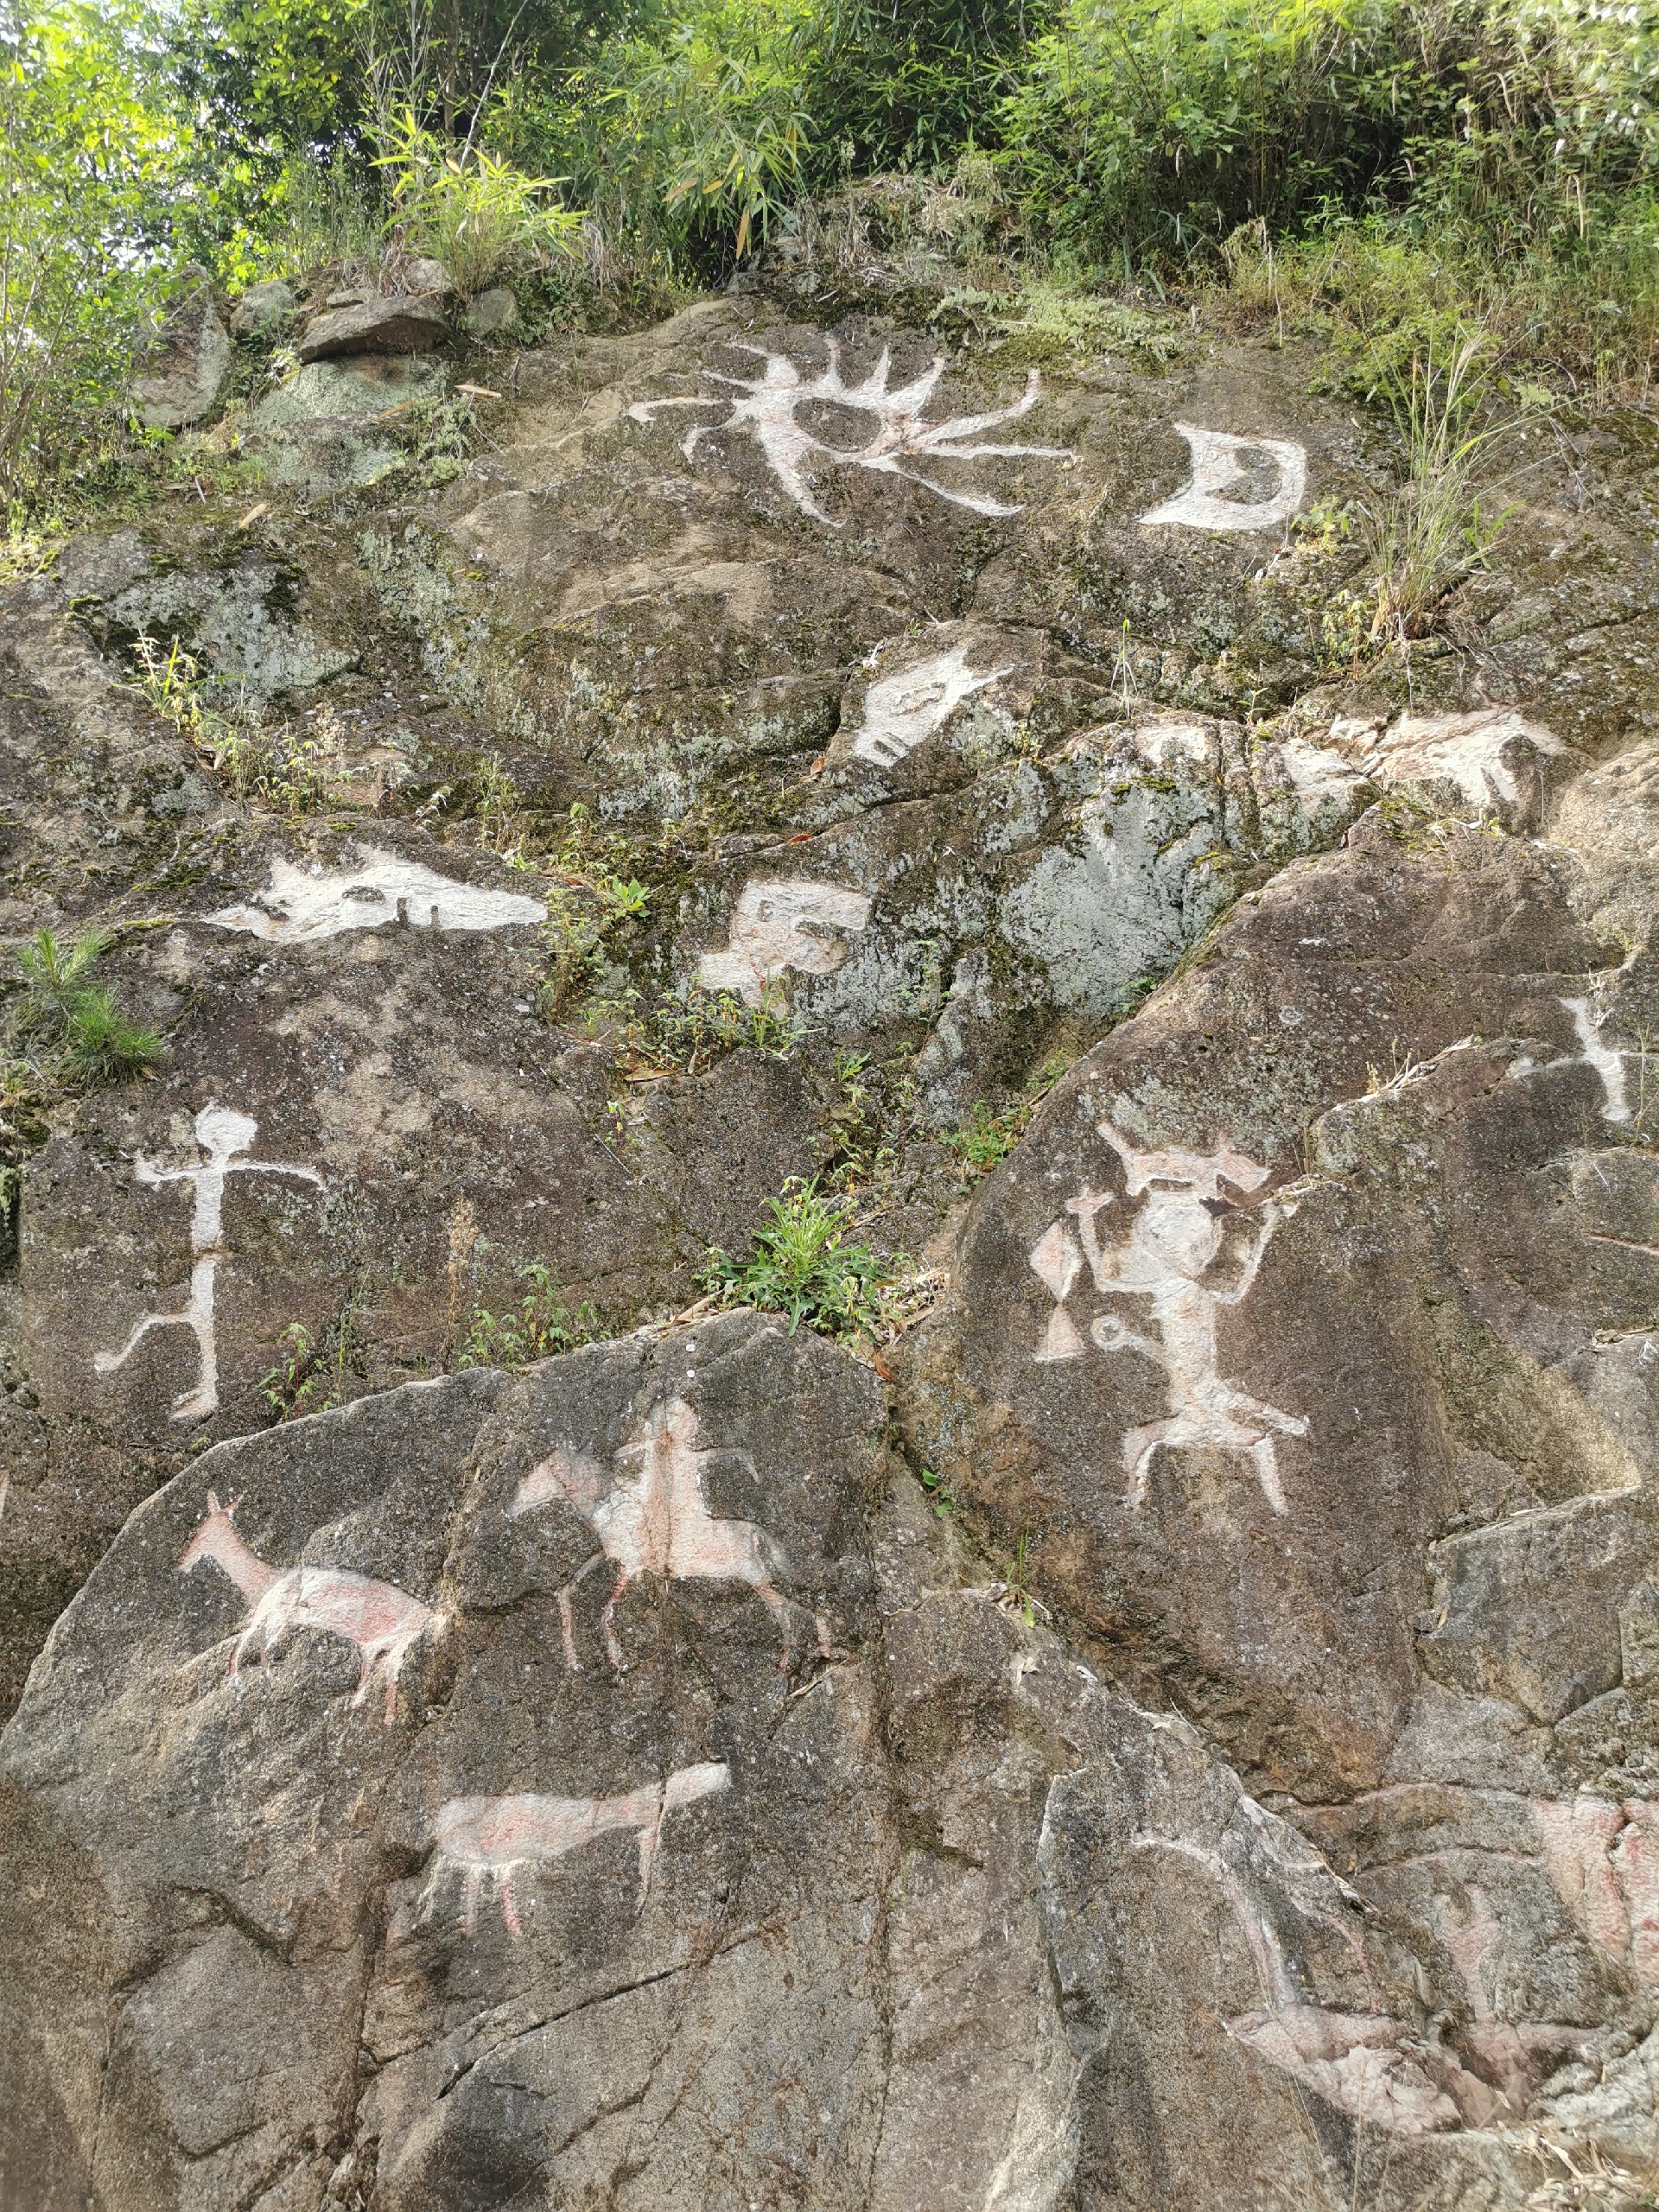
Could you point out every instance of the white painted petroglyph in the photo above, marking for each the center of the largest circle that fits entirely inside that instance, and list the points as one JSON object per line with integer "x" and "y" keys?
{"x": 496, "y": 1837}
{"x": 1608, "y": 1063}
{"x": 1467, "y": 750}
{"x": 653, "y": 1520}
{"x": 777, "y": 925}
{"x": 1363, "y": 2062}
{"x": 384, "y": 1622}
{"x": 1607, "y": 1060}
{"x": 1220, "y": 466}
{"x": 1170, "y": 1248}
{"x": 1603, "y": 1857}
{"x": 769, "y": 406}
{"x": 904, "y": 709}
{"x": 222, "y": 1135}
{"x": 299, "y": 906}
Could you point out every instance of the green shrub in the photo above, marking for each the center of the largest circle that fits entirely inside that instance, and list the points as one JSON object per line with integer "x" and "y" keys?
{"x": 478, "y": 216}
{"x": 89, "y": 1038}
{"x": 804, "y": 1265}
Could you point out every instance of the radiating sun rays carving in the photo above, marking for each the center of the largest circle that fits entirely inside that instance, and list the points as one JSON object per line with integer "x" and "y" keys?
{"x": 770, "y": 406}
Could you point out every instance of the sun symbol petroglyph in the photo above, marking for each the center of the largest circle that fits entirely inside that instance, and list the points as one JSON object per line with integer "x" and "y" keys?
{"x": 650, "y": 1518}
{"x": 1236, "y": 483}
{"x": 905, "y": 708}
{"x": 495, "y": 1837}
{"x": 222, "y": 1135}
{"x": 778, "y": 924}
{"x": 770, "y": 403}
{"x": 384, "y": 1622}
{"x": 1178, "y": 1253}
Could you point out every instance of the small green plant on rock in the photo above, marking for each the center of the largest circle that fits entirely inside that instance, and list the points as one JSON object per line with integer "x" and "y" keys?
{"x": 541, "y": 1325}
{"x": 803, "y": 1264}
{"x": 293, "y": 773}
{"x": 89, "y": 1038}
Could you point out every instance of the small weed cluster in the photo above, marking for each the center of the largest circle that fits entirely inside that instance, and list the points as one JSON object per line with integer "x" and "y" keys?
{"x": 805, "y": 1265}
{"x": 539, "y": 1326}
{"x": 291, "y": 773}
{"x": 585, "y": 909}
{"x": 310, "y": 1374}
{"x": 87, "y": 1040}
{"x": 986, "y": 1139}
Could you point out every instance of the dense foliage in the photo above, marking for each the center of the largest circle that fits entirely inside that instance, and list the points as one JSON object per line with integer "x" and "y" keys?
{"x": 1373, "y": 159}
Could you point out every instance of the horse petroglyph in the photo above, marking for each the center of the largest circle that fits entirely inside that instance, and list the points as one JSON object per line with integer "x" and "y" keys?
{"x": 770, "y": 407}
{"x": 653, "y": 1520}
{"x": 300, "y": 905}
{"x": 223, "y": 1135}
{"x": 905, "y": 708}
{"x": 1236, "y": 483}
{"x": 384, "y": 1622}
{"x": 476, "y": 1836}
{"x": 1177, "y": 1253}
{"x": 777, "y": 925}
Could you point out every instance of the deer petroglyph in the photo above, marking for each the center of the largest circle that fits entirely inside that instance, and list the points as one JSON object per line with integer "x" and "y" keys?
{"x": 653, "y": 1519}
{"x": 1177, "y": 1253}
{"x": 779, "y": 924}
{"x": 770, "y": 406}
{"x": 384, "y": 1622}
{"x": 222, "y": 1135}
{"x": 496, "y": 1836}
{"x": 1229, "y": 488}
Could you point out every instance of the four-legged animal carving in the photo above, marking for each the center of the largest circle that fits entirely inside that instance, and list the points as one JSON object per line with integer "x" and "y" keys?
{"x": 654, "y": 1521}
{"x": 384, "y": 1622}
{"x": 476, "y": 1836}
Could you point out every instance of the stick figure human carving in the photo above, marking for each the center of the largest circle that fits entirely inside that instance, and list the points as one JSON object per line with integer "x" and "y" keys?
{"x": 476, "y": 1836}
{"x": 222, "y": 1133}
{"x": 1176, "y": 1253}
{"x": 384, "y": 1622}
{"x": 654, "y": 1521}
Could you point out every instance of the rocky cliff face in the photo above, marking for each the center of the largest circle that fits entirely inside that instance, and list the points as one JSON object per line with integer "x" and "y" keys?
{"x": 1175, "y": 1723}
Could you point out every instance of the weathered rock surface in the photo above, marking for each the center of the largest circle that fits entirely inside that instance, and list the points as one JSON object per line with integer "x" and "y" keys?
{"x": 1228, "y": 1775}
{"x": 185, "y": 378}
{"x": 262, "y": 308}
{"x": 391, "y": 325}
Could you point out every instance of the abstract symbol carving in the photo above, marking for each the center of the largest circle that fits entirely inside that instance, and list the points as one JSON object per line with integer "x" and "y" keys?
{"x": 654, "y": 1521}
{"x": 1363, "y": 2063}
{"x": 476, "y": 1836}
{"x": 905, "y": 708}
{"x": 1474, "y": 751}
{"x": 1169, "y": 1256}
{"x": 1225, "y": 491}
{"x": 1608, "y": 1063}
{"x": 222, "y": 1135}
{"x": 770, "y": 407}
{"x": 297, "y": 907}
{"x": 384, "y": 1622}
{"x": 1603, "y": 1859}
{"x": 779, "y": 924}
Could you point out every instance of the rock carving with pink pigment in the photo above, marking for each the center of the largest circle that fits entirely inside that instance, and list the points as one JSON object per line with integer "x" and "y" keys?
{"x": 222, "y": 1135}
{"x": 1168, "y": 1255}
{"x": 498, "y": 1836}
{"x": 1603, "y": 1857}
{"x": 384, "y": 1622}
{"x": 780, "y": 925}
{"x": 770, "y": 406}
{"x": 1363, "y": 2062}
{"x": 653, "y": 1520}
{"x": 1215, "y": 497}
